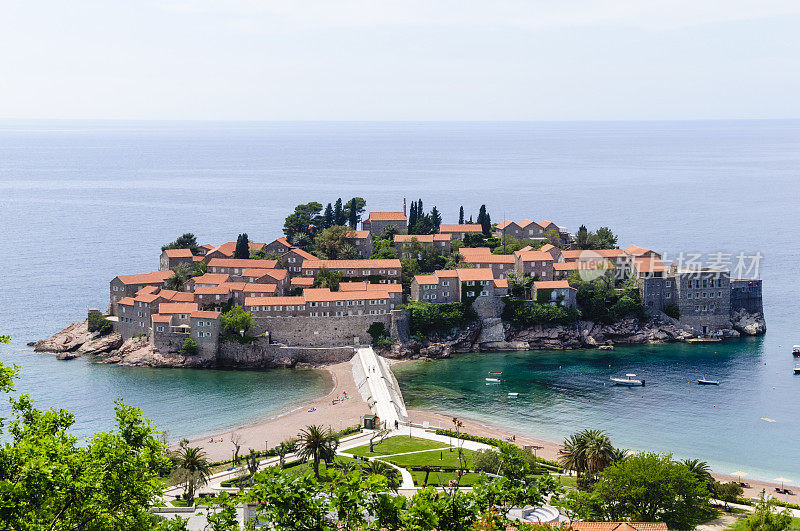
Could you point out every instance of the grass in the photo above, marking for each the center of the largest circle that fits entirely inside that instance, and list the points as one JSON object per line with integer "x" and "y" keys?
{"x": 442, "y": 457}
{"x": 740, "y": 525}
{"x": 443, "y": 478}
{"x": 397, "y": 445}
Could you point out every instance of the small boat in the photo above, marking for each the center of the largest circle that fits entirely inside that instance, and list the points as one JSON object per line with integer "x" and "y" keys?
{"x": 495, "y": 372}
{"x": 628, "y": 381}
{"x": 797, "y": 370}
{"x": 796, "y": 350}
{"x": 704, "y": 381}
{"x": 495, "y": 380}
{"x": 513, "y": 395}
{"x": 605, "y": 347}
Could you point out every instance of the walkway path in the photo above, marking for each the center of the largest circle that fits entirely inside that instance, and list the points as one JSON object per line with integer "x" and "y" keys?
{"x": 381, "y": 387}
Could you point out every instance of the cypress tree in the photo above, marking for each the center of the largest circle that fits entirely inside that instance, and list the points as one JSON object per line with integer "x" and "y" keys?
{"x": 436, "y": 219}
{"x": 327, "y": 218}
{"x": 485, "y": 221}
{"x": 242, "y": 250}
{"x": 338, "y": 213}
{"x": 461, "y": 215}
{"x": 412, "y": 217}
{"x": 353, "y": 214}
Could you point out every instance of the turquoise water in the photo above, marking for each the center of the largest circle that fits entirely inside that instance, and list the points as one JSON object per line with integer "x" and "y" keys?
{"x": 82, "y": 202}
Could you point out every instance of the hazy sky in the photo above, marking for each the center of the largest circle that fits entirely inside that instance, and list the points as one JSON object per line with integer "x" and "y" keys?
{"x": 400, "y": 60}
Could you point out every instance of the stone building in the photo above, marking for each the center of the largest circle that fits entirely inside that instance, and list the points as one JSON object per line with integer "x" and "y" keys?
{"x": 172, "y": 258}
{"x": 362, "y": 241}
{"x": 278, "y": 246}
{"x": 457, "y": 232}
{"x": 537, "y": 264}
{"x": 456, "y": 285}
{"x": 237, "y": 266}
{"x": 387, "y": 270}
{"x": 127, "y": 285}
{"x": 292, "y": 260}
{"x": 438, "y": 242}
{"x": 376, "y": 222}
{"x": 554, "y": 292}
{"x": 500, "y": 264}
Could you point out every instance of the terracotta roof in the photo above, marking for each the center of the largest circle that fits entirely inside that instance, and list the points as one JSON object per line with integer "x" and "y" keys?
{"x": 524, "y": 250}
{"x": 535, "y": 256}
{"x": 177, "y": 296}
{"x": 235, "y": 286}
{"x": 446, "y": 273}
{"x": 197, "y": 258}
{"x": 303, "y": 254}
{"x": 178, "y": 253}
{"x": 649, "y": 265}
{"x": 158, "y": 318}
{"x": 274, "y": 301}
{"x": 524, "y": 223}
{"x": 635, "y": 250}
{"x": 211, "y": 279}
{"x": 205, "y": 314}
{"x": 277, "y": 274}
{"x": 126, "y": 301}
{"x": 583, "y": 264}
{"x": 501, "y": 282}
{"x": 426, "y": 279}
{"x": 282, "y": 241}
{"x": 421, "y": 238}
{"x": 226, "y": 248}
{"x": 358, "y": 234}
{"x": 260, "y": 288}
{"x": 391, "y": 263}
{"x": 156, "y": 277}
{"x": 243, "y": 263}
{"x": 474, "y": 251}
{"x": 211, "y": 290}
{"x": 177, "y": 307}
{"x": 505, "y": 223}
{"x": 387, "y": 216}
{"x": 475, "y": 274}
{"x": 147, "y": 298}
{"x": 324, "y": 294}
{"x": 490, "y": 259}
{"x": 619, "y": 526}
{"x": 302, "y": 281}
{"x": 545, "y": 223}
{"x": 548, "y": 247}
{"x": 368, "y": 286}
{"x": 207, "y": 247}
{"x": 474, "y": 227}
{"x": 147, "y": 289}
{"x": 591, "y": 254}
{"x": 552, "y": 284}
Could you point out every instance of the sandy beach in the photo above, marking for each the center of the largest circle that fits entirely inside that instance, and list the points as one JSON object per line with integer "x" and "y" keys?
{"x": 322, "y": 412}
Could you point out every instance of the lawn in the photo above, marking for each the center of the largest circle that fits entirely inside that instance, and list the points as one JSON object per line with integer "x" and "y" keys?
{"x": 443, "y": 478}
{"x": 741, "y": 526}
{"x": 397, "y": 445}
{"x": 443, "y": 458}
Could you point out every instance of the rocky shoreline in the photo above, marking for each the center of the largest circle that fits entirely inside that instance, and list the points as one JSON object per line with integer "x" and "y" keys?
{"x": 76, "y": 340}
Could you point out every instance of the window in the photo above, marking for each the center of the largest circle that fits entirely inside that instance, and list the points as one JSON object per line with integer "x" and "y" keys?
{"x": 668, "y": 284}
{"x": 277, "y": 308}
{"x": 446, "y": 294}
{"x": 200, "y": 323}
{"x": 159, "y": 329}
{"x": 705, "y": 308}
{"x": 470, "y": 294}
{"x": 704, "y": 282}
{"x": 711, "y": 294}
{"x": 470, "y": 282}
{"x": 697, "y": 308}
{"x": 484, "y": 293}
{"x": 433, "y": 296}
{"x": 669, "y": 295}
{"x": 704, "y": 294}
{"x": 688, "y": 295}
{"x": 445, "y": 283}
{"x": 115, "y": 288}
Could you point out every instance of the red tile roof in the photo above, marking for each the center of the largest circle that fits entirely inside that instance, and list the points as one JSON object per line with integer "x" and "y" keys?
{"x": 358, "y": 234}
{"x": 583, "y": 264}
{"x": 178, "y": 253}
{"x": 368, "y": 286}
{"x": 501, "y": 282}
{"x": 211, "y": 290}
{"x": 326, "y": 295}
{"x": 490, "y": 259}
{"x": 146, "y": 290}
{"x": 552, "y": 284}
{"x": 548, "y": 247}
{"x": 524, "y": 223}
{"x": 277, "y": 274}
{"x": 535, "y": 256}
{"x": 474, "y": 251}
{"x": 426, "y": 279}
{"x": 545, "y": 224}
{"x": 591, "y": 254}
{"x": 391, "y": 263}
{"x": 158, "y": 318}
{"x": 234, "y": 286}
{"x": 475, "y": 274}
{"x": 156, "y": 277}
{"x": 260, "y": 288}
{"x": 211, "y": 279}
{"x": 205, "y": 314}
{"x": 302, "y": 281}
{"x": 635, "y": 250}
{"x": 387, "y": 216}
{"x": 446, "y": 273}
{"x": 505, "y": 223}
{"x": 126, "y": 301}
{"x": 474, "y": 227}
{"x": 177, "y": 307}
{"x": 282, "y": 241}
{"x": 146, "y": 298}
{"x": 242, "y": 263}
{"x": 177, "y": 296}
{"x": 274, "y": 301}
{"x": 649, "y": 265}
{"x": 303, "y": 254}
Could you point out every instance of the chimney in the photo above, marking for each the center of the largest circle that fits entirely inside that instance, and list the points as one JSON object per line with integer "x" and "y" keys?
{"x": 404, "y": 206}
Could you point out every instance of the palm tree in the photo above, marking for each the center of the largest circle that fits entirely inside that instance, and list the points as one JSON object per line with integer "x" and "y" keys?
{"x": 382, "y": 469}
{"x": 194, "y": 467}
{"x": 587, "y": 452}
{"x": 181, "y": 274}
{"x": 699, "y": 469}
{"x": 317, "y": 444}
{"x": 572, "y": 456}
{"x": 619, "y": 456}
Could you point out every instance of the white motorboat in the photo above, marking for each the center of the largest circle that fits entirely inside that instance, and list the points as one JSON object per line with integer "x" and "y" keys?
{"x": 628, "y": 381}
{"x": 796, "y": 350}
{"x": 495, "y": 380}
{"x": 513, "y": 395}
{"x": 705, "y": 381}
{"x": 797, "y": 370}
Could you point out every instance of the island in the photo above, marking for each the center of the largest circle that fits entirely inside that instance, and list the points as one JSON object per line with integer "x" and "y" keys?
{"x": 410, "y": 286}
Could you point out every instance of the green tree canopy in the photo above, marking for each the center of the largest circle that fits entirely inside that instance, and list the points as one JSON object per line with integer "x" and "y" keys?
{"x": 242, "y": 250}
{"x": 184, "y": 241}
{"x": 302, "y": 223}
{"x": 237, "y": 320}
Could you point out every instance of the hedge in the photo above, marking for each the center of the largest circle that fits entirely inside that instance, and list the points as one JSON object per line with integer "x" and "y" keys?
{"x": 520, "y": 313}
{"x": 546, "y": 463}
{"x": 441, "y": 318}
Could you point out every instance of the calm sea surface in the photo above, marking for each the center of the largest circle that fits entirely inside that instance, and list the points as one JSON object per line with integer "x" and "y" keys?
{"x": 83, "y": 202}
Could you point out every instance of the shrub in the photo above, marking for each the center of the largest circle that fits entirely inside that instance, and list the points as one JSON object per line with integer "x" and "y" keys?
{"x": 520, "y": 313}
{"x": 485, "y": 460}
{"x": 427, "y": 318}
{"x": 545, "y": 463}
{"x": 98, "y": 323}
{"x": 672, "y": 310}
{"x": 189, "y": 347}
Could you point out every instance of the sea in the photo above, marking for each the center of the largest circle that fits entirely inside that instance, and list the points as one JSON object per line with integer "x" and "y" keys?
{"x": 83, "y": 201}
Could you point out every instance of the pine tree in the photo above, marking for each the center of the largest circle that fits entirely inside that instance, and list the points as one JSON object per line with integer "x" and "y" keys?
{"x": 339, "y": 217}
{"x": 485, "y": 221}
{"x": 461, "y": 215}
{"x": 353, "y": 216}
{"x": 242, "y": 247}
{"x": 327, "y": 218}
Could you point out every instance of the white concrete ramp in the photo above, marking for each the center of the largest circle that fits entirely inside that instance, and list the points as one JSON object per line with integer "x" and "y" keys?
{"x": 379, "y": 387}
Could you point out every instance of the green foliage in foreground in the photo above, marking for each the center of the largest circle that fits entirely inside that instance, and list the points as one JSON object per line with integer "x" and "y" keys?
{"x": 189, "y": 347}
{"x": 237, "y": 320}
{"x": 518, "y": 313}
{"x": 767, "y": 517}
{"x": 99, "y": 324}
{"x": 440, "y": 318}
{"x": 495, "y": 442}
{"x": 397, "y": 445}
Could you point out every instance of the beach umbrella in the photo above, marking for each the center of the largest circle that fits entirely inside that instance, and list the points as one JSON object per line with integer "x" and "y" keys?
{"x": 782, "y": 480}
{"x": 740, "y": 474}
